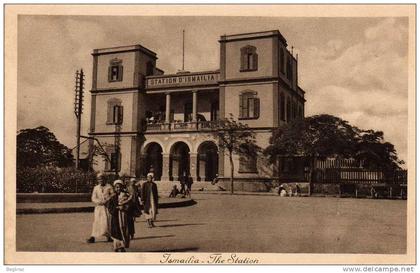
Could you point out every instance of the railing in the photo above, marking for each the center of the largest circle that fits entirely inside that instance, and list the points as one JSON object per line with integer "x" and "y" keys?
{"x": 358, "y": 176}
{"x": 182, "y": 126}
{"x": 155, "y": 127}
{"x": 207, "y": 125}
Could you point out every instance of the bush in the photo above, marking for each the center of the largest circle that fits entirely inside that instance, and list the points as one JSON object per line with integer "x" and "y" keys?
{"x": 52, "y": 180}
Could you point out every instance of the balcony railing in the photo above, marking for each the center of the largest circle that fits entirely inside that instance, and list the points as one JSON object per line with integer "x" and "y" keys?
{"x": 182, "y": 126}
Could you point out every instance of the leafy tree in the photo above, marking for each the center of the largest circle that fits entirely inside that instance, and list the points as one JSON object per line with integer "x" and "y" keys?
{"x": 39, "y": 147}
{"x": 314, "y": 137}
{"x": 235, "y": 138}
{"x": 323, "y": 136}
{"x": 374, "y": 153}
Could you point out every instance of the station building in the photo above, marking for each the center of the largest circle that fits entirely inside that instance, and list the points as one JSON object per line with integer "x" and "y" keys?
{"x": 143, "y": 119}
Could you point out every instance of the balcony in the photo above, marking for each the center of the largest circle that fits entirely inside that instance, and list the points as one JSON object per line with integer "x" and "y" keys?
{"x": 182, "y": 126}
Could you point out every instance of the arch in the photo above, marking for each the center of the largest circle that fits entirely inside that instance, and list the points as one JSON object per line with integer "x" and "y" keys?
{"x": 153, "y": 159}
{"x": 207, "y": 161}
{"x": 173, "y": 142}
{"x": 249, "y": 58}
{"x": 148, "y": 142}
{"x": 179, "y": 160}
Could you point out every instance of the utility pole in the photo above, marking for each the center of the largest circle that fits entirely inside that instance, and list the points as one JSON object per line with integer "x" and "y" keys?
{"x": 78, "y": 110}
{"x": 117, "y": 145}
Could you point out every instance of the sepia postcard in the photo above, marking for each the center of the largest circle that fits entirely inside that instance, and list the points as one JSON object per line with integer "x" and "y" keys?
{"x": 210, "y": 134}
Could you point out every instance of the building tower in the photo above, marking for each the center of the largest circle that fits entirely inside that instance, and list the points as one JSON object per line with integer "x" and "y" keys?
{"x": 116, "y": 105}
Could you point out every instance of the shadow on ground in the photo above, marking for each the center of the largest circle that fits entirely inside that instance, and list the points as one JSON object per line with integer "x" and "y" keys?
{"x": 153, "y": 237}
{"x": 179, "y": 225}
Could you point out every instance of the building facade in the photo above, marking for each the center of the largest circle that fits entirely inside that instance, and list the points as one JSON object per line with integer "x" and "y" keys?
{"x": 142, "y": 119}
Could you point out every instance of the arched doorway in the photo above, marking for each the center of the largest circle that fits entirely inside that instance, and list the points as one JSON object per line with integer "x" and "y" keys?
{"x": 179, "y": 160}
{"x": 153, "y": 160}
{"x": 208, "y": 161}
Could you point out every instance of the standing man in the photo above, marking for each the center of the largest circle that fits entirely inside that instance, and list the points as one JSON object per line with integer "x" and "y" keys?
{"x": 149, "y": 198}
{"x": 101, "y": 194}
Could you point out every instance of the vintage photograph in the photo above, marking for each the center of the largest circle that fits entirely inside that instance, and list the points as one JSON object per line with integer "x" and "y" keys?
{"x": 206, "y": 139}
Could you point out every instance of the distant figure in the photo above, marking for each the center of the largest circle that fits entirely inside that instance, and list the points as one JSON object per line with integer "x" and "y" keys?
{"x": 150, "y": 200}
{"x": 298, "y": 191}
{"x": 183, "y": 182}
{"x": 174, "y": 192}
{"x": 101, "y": 195}
{"x": 215, "y": 179}
{"x": 189, "y": 182}
{"x": 282, "y": 191}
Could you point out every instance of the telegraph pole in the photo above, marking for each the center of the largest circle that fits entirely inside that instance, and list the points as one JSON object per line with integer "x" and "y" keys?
{"x": 78, "y": 110}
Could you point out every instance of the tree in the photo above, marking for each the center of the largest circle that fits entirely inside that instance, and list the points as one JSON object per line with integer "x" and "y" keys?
{"x": 39, "y": 147}
{"x": 323, "y": 136}
{"x": 374, "y": 153}
{"x": 235, "y": 138}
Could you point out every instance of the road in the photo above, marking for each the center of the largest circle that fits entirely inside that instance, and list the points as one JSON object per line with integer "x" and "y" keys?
{"x": 239, "y": 223}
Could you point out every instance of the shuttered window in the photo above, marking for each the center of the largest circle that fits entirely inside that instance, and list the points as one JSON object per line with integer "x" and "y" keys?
{"x": 281, "y": 60}
{"x": 249, "y": 105}
{"x": 282, "y": 107}
{"x": 115, "y": 71}
{"x": 113, "y": 161}
{"x": 249, "y": 58}
{"x": 115, "y": 112}
{"x": 288, "y": 110}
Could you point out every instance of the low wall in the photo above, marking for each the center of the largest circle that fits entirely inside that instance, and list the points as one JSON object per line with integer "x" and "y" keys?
{"x": 246, "y": 184}
{"x": 52, "y": 197}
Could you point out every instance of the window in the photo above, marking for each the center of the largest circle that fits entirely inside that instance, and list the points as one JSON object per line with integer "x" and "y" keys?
{"x": 249, "y": 105}
{"x": 281, "y": 60}
{"x": 300, "y": 112}
{"x": 247, "y": 164}
{"x": 288, "y": 110}
{"x": 282, "y": 106}
{"x": 289, "y": 69}
{"x": 113, "y": 162}
{"x": 115, "y": 112}
{"x": 115, "y": 70}
{"x": 249, "y": 58}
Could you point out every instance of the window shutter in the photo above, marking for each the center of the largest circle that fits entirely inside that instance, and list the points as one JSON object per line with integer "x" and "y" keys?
{"x": 244, "y": 60}
{"x": 120, "y": 114}
{"x": 281, "y": 60}
{"x": 241, "y": 106}
{"x": 110, "y": 73}
{"x": 254, "y": 61}
{"x": 110, "y": 113}
{"x": 120, "y": 72}
{"x": 256, "y": 107}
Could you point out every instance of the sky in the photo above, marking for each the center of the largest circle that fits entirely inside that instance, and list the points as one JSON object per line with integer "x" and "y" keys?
{"x": 354, "y": 68}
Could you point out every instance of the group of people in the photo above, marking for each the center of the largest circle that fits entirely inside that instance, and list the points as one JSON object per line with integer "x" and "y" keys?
{"x": 186, "y": 182}
{"x": 118, "y": 205}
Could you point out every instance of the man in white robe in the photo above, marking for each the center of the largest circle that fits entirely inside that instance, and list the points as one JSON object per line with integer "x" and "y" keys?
{"x": 101, "y": 194}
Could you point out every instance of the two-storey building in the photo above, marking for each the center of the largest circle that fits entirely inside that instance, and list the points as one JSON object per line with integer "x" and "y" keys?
{"x": 146, "y": 120}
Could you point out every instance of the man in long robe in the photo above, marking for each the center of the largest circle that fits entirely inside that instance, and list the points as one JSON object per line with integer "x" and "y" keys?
{"x": 101, "y": 194}
{"x": 150, "y": 198}
{"x": 118, "y": 206}
{"x": 134, "y": 210}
